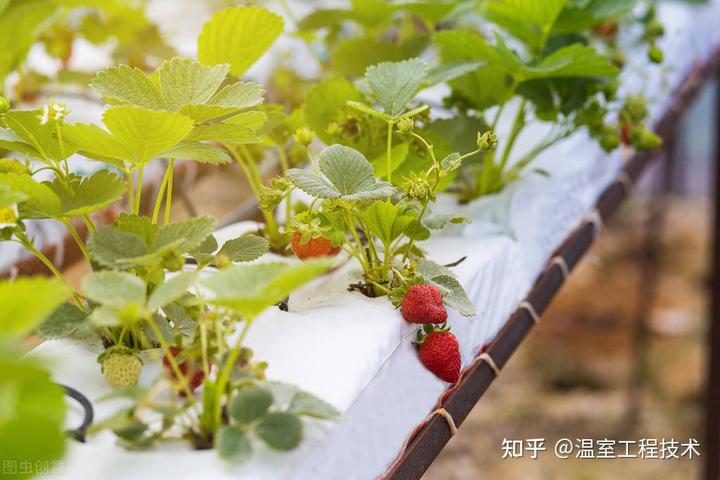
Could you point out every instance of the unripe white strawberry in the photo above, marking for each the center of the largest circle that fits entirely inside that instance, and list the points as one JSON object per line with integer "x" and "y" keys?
{"x": 120, "y": 366}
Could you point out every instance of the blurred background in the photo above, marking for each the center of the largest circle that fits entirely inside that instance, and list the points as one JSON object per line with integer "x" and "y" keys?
{"x": 621, "y": 353}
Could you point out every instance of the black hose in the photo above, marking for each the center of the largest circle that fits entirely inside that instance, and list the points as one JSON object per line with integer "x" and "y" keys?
{"x": 80, "y": 432}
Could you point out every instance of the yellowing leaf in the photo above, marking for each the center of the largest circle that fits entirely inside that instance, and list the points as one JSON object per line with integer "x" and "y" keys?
{"x": 146, "y": 133}
{"x": 221, "y": 132}
{"x": 83, "y": 195}
{"x": 183, "y": 81}
{"x": 128, "y": 86}
{"x": 41, "y": 201}
{"x": 238, "y": 36}
{"x": 239, "y": 95}
{"x": 95, "y": 143}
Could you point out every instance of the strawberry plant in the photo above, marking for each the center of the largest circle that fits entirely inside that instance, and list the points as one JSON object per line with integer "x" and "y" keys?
{"x": 552, "y": 63}
{"x": 156, "y": 286}
{"x": 33, "y": 403}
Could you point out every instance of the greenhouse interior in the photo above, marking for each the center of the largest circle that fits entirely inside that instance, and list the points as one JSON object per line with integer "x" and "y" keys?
{"x": 360, "y": 239}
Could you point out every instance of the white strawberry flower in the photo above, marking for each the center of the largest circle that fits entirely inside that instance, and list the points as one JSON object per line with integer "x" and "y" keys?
{"x": 8, "y": 216}
{"x": 54, "y": 111}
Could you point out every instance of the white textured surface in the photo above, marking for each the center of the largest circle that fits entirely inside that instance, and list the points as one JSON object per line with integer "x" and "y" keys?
{"x": 356, "y": 353}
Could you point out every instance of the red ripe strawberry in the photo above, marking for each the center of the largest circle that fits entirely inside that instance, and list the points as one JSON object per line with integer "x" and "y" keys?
{"x": 625, "y": 135}
{"x": 440, "y": 353}
{"x": 423, "y": 304}
{"x": 316, "y": 247}
{"x": 193, "y": 373}
{"x": 606, "y": 30}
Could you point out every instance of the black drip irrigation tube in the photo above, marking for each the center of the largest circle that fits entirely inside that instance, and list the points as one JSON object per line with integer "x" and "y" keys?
{"x": 80, "y": 432}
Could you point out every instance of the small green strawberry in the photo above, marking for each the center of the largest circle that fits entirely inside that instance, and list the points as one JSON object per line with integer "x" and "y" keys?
{"x": 120, "y": 366}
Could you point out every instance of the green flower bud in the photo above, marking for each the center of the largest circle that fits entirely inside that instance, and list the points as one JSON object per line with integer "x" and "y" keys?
{"x": 487, "y": 141}
{"x": 655, "y": 54}
{"x": 304, "y": 136}
{"x": 334, "y": 129}
{"x": 405, "y": 125}
{"x": 417, "y": 186}
{"x": 270, "y": 197}
{"x": 654, "y": 29}
{"x": 13, "y": 166}
{"x": 645, "y": 139}
{"x": 610, "y": 139}
{"x": 222, "y": 261}
{"x": 635, "y": 110}
{"x": 4, "y": 104}
{"x": 173, "y": 261}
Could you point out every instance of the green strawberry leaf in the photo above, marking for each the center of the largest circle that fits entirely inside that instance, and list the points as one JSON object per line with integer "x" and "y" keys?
{"x": 450, "y": 71}
{"x": 8, "y": 197}
{"x": 323, "y": 103}
{"x": 171, "y": 290}
{"x": 205, "y": 252}
{"x": 124, "y": 85}
{"x": 26, "y": 303}
{"x": 253, "y": 120}
{"x": 222, "y": 133}
{"x": 239, "y": 95}
{"x": 388, "y": 221}
{"x": 186, "y": 235}
{"x": 67, "y": 321}
{"x": 487, "y": 86}
{"x": 146, "y": 133}
{"x": 114, "y": 289}
{"x": 457, "y": 299}
{"x": 454, "y": 295}
{"x": 233, "y": 445}
{"x": 10, "y": 141}
{"x": 93, "y": 142}
{"x": 40, "y": 200}
{"x": 572, "y": 61}
{"x": 353, "y": 56}
{"x": 395, "y": 84}
{"x": 252, "y": 30}
{"x": 440, "y": 221}
{"x": 141, "y": 226}
{"x": 183, "y": 81}
{"x": 528, "y": 20}
{"x": 349, "y": 176}
{"x": 82, "y": 195}
{"x": 307, "y": 404}
{"x": 31, "y": 402}
{"x": 109, "y": 245}
{"x": 250, "y": 289}
{"x": 208, "y": 113}
{"x": 280, "y": 430}
{"x": 38, "y": 133}
{"x": 250, "y": 403}
{"x": 580, "y": 16}
{"x": 199, "y": 152}
{"x": 245, "y": 249}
